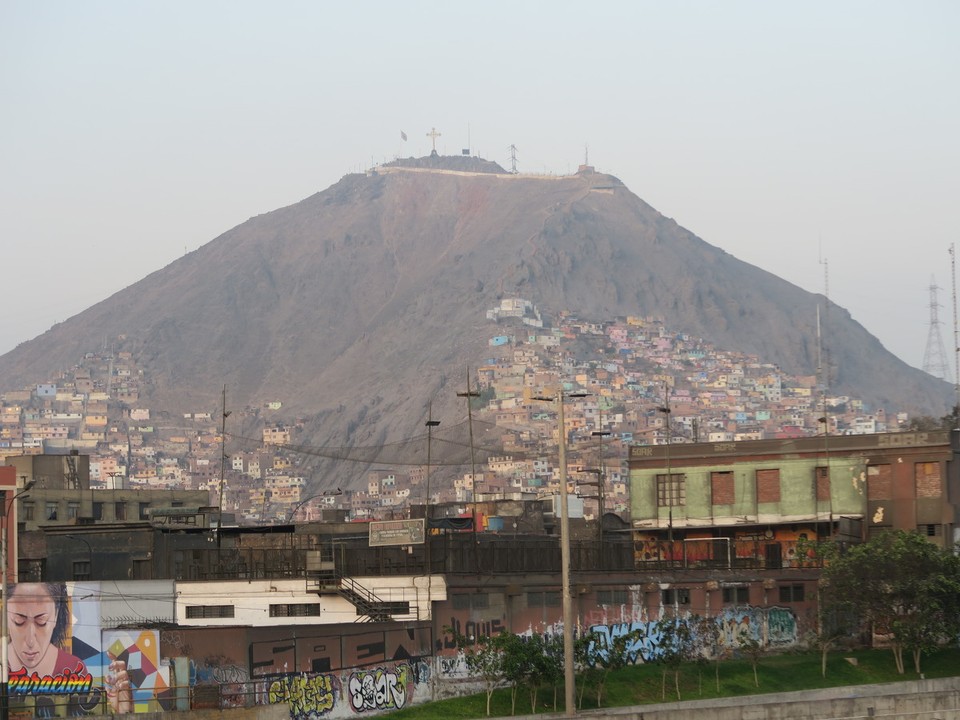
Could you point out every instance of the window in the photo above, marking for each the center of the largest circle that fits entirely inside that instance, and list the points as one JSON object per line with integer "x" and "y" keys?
{"x": 791, "y": 593}
{"x": 768, "y": 486}
{"x": 879, "y": 482}
{"x": 28, "y": 511}
{"x": 120, "y": 511}
{"x": 823, "y": 483}
{"x": 143, "y": 507}
{"x": 538, "y": 599}
{"x": 81, "y": 569}
{"x": 295, "y": 610}
{"x": 51, "y": 511}
{"x": 98, "y": 511}
{"x": 675, "y": 596}
{"x": 141, "y": 570}
{"x": 195, "y": 612}
{"x": 671, "y": 491}
{"x": 927, "y": 478}
{"x": 73, "y": 510}
{"x": 736, "y": 595}
{"x": 471, "y": 601}
{"x": 612, "y": 597}
{"x": 929, "y": 530}
{"x": 721, "y": 488}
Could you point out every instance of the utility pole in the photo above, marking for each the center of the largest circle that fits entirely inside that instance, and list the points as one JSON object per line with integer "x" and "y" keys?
{"x": 601, "y": 480}
{"x": 469, "y": 395}
{"x": 4, "y": 627}
{"x": 223, "y": 461}
{"x": 665, "y": 409}
{"x": 431, "y": 424}
{"x": 567, "y": 600}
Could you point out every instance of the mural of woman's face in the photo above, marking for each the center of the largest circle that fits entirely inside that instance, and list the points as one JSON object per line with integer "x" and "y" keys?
{"x": 32, "y": 616}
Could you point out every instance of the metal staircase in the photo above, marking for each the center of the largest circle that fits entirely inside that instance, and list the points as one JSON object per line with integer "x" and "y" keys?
{"x": 323, "y": 578}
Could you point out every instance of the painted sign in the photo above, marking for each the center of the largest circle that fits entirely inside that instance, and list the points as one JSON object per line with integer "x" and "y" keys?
{"x": 396, "y": 532}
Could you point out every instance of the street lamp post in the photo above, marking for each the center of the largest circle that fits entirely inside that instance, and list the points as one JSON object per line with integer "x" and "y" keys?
{"x": 4, "y": 659}
{"x": 570, "y": 707}
{"x": 325, "y": 493}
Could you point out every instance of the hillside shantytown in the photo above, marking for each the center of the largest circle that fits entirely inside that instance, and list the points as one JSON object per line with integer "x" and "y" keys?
{"x": 193, "y": 569}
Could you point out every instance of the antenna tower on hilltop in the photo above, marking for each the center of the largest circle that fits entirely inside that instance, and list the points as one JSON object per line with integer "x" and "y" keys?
{"x": 934, "y": 357}
{"x": 513, "y": 158}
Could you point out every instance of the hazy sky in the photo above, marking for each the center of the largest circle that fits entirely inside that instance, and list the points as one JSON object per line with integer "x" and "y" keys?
{"x": 782, "y": 132}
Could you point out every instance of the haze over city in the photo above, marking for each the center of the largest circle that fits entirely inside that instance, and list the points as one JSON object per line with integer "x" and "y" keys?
{"x": 784, "y": 135}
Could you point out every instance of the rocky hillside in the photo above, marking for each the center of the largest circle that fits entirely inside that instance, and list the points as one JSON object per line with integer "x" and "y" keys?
{"x": 360, "y": 304}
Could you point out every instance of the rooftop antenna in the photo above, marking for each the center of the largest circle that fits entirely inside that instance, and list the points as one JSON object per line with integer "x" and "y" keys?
{"x": 934, "y": 357}
{"x": 513, "y": 159}
{"x": 956, "y": 338}
{"x": 586, "y": 154}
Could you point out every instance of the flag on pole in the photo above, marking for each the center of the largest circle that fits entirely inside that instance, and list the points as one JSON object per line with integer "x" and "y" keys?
{"x": 403, "y": 135}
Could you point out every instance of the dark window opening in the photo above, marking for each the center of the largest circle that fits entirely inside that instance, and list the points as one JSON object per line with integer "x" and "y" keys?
{"x": 791, "y": 593}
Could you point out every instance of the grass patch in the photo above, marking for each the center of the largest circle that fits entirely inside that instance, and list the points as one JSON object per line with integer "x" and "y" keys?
{"x": 642, "y": 684}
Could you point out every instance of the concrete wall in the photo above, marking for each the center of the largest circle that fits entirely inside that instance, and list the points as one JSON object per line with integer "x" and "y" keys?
{"x": 916, "y": 700}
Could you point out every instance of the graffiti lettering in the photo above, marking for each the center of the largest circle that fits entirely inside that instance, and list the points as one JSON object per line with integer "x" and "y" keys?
{"x": 379, "y": 689}
{"x": 307, "y": 696}
{"x": 781, "y": 627}
{"x": 643, "y": 649}
{"x": 176, "y": 641}
{"x": 78, "y": 681}
{"x": 471, "y": 629}
{"x": 772, "y": 627}
{"x": 452, "y": 665}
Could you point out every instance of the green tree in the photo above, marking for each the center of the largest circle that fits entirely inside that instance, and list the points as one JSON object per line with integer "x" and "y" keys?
{"x": 707, "y": 633}
{"x": 526, "y": 662}
{"x": 599, "y": 657}
{"x": 675, "y": 647}
{"x": 485, "y": 659}
{"x": 553, "y": 663}
{"x": 752, "y": 648}
{"x": 836, "y": 612}
{"x": 899, "y": 585}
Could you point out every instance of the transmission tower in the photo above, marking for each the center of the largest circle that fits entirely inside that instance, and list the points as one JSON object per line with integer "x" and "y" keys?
{"x": 513, "y": 158}
{"x": 935, "y": 357}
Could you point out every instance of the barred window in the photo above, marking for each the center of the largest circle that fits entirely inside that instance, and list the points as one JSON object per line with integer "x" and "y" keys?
{"x": 196, "y": 612}
{"x": 736, "y": 595}
{"x": 791, "y": 593}
{"x": 612, "y": 597}
{"x": 471, "y": 601}
{"x": 675, "y": 596}
{"x": 295, "y": 610}
{"x": 538, "y": 599}
{"x": 671, "y": 491}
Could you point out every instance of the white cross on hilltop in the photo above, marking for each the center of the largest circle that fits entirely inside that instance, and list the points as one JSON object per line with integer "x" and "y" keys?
{"x": 433, "y": 135}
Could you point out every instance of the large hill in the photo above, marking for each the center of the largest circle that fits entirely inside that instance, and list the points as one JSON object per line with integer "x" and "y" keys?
{"x": 362, "y": 303}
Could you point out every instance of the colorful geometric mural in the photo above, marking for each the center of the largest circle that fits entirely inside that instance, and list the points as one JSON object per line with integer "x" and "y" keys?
{"x": 62, "y": 664}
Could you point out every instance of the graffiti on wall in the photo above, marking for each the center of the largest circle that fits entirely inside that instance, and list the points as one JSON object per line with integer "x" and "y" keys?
{"x": 379, "y": 688}
{"x": 307, "y": 696}
{"x": 772, "y": 627}
{"x": 469, "y": 629}
{"x": 642, "y": 648}
{"x": 40, "y": 630}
